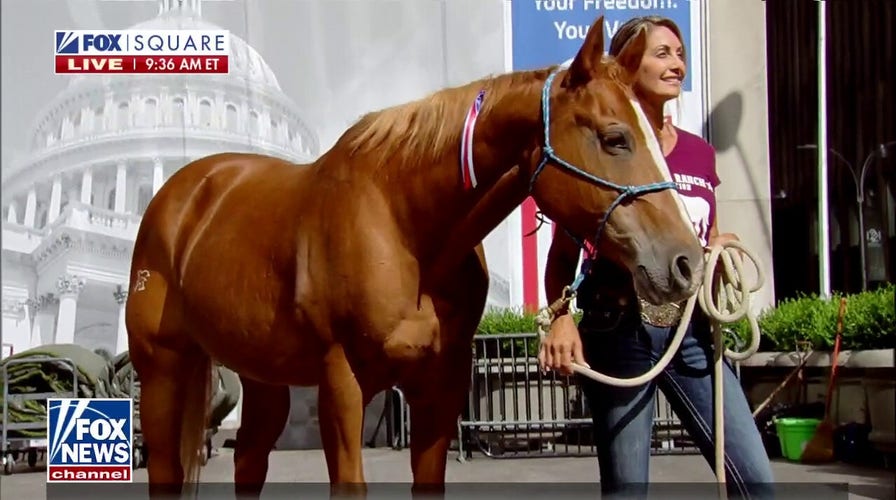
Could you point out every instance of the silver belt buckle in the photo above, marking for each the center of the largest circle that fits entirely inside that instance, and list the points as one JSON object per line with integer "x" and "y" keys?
{"x": 664, "y": 315}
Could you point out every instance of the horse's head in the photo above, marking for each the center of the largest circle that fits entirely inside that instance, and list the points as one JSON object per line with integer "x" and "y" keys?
{"x": 601, "y": 175}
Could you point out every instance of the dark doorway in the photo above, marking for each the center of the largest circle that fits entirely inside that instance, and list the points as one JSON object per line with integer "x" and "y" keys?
{"x": 861, "y": 108}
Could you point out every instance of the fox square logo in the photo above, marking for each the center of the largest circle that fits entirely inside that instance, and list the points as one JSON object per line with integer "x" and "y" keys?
{"x": 89, "y": 440}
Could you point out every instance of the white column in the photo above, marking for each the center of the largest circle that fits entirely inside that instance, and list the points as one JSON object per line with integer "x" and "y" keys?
{"x": 31, "y": 207}
{"x": 219, "y": 116}
{"x": 265, "y": 125}
{"x": 121, "y": 343}
{"x": 55, "y": 200}
{"x": 86, "y": 185}
{"x": 158, "y": 175}
{"x": 36, "y": 339}
{"x": 121, "y": 186}
{"x": 41, "y": 317}
{"x": 69, "y": 288}
{"x": 109, "y": 113}
{"x": 12, "y": 215}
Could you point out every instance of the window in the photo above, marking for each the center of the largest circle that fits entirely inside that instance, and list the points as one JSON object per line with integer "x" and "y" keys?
{"x": 150, "y": 110}
{"x": 177, "y": 111}
{"x": 231, "y": 119}
{"x": 205, "y": 113}
{"x": 124, "y": 118}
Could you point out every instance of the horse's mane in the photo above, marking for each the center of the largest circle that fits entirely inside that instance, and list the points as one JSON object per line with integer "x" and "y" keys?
{"x": 422, "y": 131}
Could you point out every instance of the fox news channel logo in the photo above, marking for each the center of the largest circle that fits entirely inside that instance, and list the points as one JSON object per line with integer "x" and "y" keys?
{"x": 89, "y": 440}
{"x": 142, "y": 51}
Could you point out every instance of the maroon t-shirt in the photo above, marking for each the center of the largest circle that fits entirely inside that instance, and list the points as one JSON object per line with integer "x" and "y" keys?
{"x": 692, "y": 163}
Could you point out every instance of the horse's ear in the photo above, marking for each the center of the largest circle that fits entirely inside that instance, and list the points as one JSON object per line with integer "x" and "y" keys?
{"x": 587, "y": 63}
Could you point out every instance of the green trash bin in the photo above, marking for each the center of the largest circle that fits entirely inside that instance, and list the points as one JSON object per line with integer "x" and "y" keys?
{"x": 794, "y": 434}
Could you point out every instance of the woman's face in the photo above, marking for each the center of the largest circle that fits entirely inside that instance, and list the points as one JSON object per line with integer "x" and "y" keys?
{"x": 662, "y": 68}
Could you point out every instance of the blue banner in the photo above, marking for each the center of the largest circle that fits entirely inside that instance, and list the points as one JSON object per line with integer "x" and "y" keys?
{"x": 547, "y": 32}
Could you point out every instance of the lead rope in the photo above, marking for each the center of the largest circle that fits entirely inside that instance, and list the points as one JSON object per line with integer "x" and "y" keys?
{"x": 725, "y": 298}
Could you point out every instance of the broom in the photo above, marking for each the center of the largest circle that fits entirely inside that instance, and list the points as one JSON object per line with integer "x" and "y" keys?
{"x": 821, "y": 447}
{"x": 768, "y": 399}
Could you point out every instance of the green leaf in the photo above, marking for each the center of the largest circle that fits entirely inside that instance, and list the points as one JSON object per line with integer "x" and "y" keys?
{"x": 869, "y": 322}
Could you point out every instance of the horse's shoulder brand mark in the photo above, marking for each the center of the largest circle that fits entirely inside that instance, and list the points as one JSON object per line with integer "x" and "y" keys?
{"x": 142, "y": 276}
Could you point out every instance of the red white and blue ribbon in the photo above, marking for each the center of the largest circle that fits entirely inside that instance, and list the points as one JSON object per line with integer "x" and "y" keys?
{"x": 466, "y": 144}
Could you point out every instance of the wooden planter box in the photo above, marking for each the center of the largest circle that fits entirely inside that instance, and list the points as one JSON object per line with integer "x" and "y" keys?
{"x": 880, "y": 390}
{"x": 865, "y": 389}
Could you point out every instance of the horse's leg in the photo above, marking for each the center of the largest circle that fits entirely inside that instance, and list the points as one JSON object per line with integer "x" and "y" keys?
{"x": 174, "y": 375}
{"x": 161, "y": 408}
{"x": 264, "y": 413}
{"x": 436, "y": 399}
{"x": 341, "y": 414}
{"x": 172, "y": 385}
{"x": 438, "y": 392}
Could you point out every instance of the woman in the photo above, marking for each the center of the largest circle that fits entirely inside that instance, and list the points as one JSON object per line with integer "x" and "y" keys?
{"x": 617, "y": 341}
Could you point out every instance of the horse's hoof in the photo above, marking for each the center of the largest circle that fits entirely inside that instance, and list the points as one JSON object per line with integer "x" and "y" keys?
{"x": 348, "y": 490}
{"x": 428, "y": 490}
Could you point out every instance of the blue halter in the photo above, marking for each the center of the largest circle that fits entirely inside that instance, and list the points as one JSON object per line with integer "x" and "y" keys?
{"x": 625, "y": 192}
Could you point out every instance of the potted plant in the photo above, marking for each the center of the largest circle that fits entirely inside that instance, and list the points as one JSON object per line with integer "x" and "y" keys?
{"x": 866, "y": 390}
{"x": 506, "y": 333}
{"x": 872, "y": 333}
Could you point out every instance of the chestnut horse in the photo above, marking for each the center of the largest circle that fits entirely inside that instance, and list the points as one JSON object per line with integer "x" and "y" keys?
{"x": 365, "y": 269}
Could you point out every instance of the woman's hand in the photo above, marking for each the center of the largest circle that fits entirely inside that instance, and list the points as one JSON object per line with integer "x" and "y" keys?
{"x": 721, "y": 239}
{"x": 561, "y": 347}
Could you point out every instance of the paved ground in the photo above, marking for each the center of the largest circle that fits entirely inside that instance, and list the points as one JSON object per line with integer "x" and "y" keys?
{"x": 525, "y": 474}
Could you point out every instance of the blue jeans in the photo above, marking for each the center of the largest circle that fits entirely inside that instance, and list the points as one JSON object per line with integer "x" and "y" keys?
{"x": 623, "y": 416}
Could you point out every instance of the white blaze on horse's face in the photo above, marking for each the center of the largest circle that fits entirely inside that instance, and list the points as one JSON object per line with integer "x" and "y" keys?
{"x": 659, "y": 160}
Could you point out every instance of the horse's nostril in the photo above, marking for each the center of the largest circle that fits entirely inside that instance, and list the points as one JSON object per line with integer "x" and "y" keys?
{"x": 681, "y": 271}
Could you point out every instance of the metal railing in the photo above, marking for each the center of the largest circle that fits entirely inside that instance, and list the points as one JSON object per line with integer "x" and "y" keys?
{"x": 514, "y": 410}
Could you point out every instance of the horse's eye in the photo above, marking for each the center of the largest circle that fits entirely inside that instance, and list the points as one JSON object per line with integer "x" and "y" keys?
{"x": 615, "y": 141}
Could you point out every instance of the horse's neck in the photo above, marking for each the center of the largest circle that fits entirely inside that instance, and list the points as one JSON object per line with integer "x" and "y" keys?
{"x": 460, "y": 218}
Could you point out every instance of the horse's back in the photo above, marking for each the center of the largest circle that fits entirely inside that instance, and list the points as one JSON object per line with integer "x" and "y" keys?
{"x": 229, "y": 185}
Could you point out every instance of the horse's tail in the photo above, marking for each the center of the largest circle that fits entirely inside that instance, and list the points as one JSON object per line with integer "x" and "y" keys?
{"x": 198, "y": 392}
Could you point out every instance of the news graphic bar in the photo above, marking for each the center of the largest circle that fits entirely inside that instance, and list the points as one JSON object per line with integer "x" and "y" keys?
{"x": 89, "y": 473}
{"x": 131, "y": 64}
{"x": 163, "y": 51}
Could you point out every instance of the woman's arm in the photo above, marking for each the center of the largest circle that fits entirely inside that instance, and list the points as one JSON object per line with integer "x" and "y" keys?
{"x": 560, "y": 268}
{"x": 562, "y": 345}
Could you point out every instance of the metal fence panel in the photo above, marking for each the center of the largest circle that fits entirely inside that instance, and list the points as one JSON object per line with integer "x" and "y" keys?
{"x": 514, "y": 410}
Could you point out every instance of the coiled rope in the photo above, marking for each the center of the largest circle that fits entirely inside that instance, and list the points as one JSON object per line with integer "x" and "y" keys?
{"x": 724, "y": 296}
